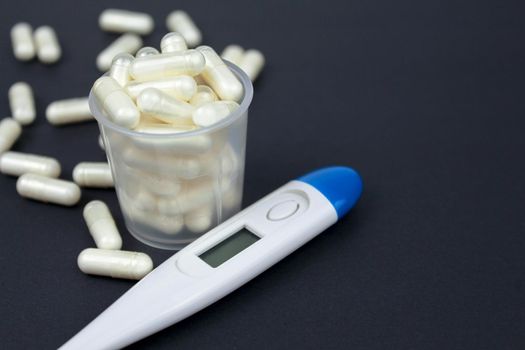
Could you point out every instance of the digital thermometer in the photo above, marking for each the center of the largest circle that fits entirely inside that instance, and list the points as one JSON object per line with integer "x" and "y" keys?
{"x": 224, "y": 258}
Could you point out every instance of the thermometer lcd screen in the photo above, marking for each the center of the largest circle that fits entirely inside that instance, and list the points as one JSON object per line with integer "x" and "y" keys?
{"x": 228, "y": 248}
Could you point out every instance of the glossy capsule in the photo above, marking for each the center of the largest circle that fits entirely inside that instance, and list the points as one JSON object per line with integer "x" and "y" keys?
{"x": 252, "y": 63}
{"x": 233, "y": 53}
{"x": 101, "y": 225}
{"x": 114, "y": 263}
{"x": 117, "y": 104}
{"x": 172, "y": 42}
{"x": 69, "y": 111}
{"x": 17, "y": 163}
{"x": 160, "y": 105}
{"x": 219, "y": 77}
{"x": 120, "y": 68}
{"x": 47, "y": 46}
{"x": 93, "y": 174}
{"x": 128, "y": 43}
{"x": 22, "y": 103}
{"x": 146, "y": 51}
{"x": 22, "y": 41}
{"x": 181, "y": 22}
{"x": 123, "y": 21}
{"x": 213, "y": 112}
{"x": 203, "y": 95}
{"x": 46, "y": 189}
{"x": 182, "y": 87}
{"x": 190, "y": 62}
{"x": 10, "y": 131}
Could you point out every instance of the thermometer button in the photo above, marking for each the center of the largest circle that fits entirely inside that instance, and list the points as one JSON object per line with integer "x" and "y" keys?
{"x": 283, "y": 210}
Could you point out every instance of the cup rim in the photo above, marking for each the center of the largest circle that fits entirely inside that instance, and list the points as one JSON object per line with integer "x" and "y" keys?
{"x": 231, "y": 118}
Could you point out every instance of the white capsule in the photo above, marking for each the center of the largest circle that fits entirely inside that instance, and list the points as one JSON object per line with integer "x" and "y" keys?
{"x": 101, "y": 225}
{"x": 22, "y": 103}
{"x": 192, "y": 197}
{"x": 219, "y": 77}
{"x": 182, "y": 87}
{"x": 120, "y": 68}
{"x": 199, "y": 220}
{"x": 172, "y": 42}
{"x": 162, "y": 128}
{"x": 45, "y": 189}
{"x": 93, "y": 174}
{"x": 213, "y": 112}
{"x": 69, "y": 111}
{"x": 117, "y": 104}
{"x": 159, "y": 105}
{"x": 10, "y": 131}
{"x": 17, "y": 163}
{"x": 183, "y": 145}
{"x": 190, "y": 62}
{"x": 204, "y": 94}
{"x": 22, "y": 41}
{"x": 233, "y": 53}
{"x": 128, "y": 43}
{"x": 252, "y": 63}
{"x": 114, "y": 263}
{"x": 47, "y": 47}
{"x": 146, "y": 51}
{"x": 180, "y": 21}
{"x": 123, "y": 21}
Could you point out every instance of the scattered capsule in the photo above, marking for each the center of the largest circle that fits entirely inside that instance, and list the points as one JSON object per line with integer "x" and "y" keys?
{"x": 22, "y": 41}
{"x": 203, "y": 95}
{"x": 147, "y": 51}
{"x": 22, "y": 103}
{"x": 173, "y": 42}
{"x": 219, "y": 77}
{"x": 10, "y": 131}
{"x": 180, "y": 21}
{"x": 190, "y": 62}
{"x": 47, "y": 47}
{"x": 17, "y": 163}
{"x": 252, "y": 63}
{"x": 117, "y": 104}
{"x": 128, "y": 43}
{"x": 101, "y": 225}
{"x": 213, "y": 112}
{"x": 182, "y": 87}
{"x": 120, "y": 68}
{"x": 164, "y": 107}
{"x": 93, "y": 174}
{"x": 123, "y": 21}
{"x": 233, "y": 53}
{"x": 46, "y": 189}
{"x": 69, "y": 111}
{"x": 114, "y": 263}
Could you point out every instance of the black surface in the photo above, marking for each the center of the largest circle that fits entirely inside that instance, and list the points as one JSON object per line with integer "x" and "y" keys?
{"x": 424, "y": 98}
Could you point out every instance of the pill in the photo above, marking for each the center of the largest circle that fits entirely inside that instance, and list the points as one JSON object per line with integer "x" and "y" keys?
{"x": 147, "y": 51}
{"x": 46, "y": 189}
{"x": 10, "y": 131}
{"x": 184, "y": 145}
{"x": 128, "y": 43}
{"x": 180, "y": 21}
{"x": 161, "y": 185}
{"x": 219, "y": 77}
{"x": 191, "y": 197}
{"x": 101, "y": 225}
{"x": 114, "y": 263}
{"x": 190, "y": 62}
{"x": 199, "y": 220}
{"x": 233, "y": 53}
{"x": 213, "y": 112}
{"x": 17, "y": 163}
{"x": 120, "y": 68}
{"x": 22, "y": 103}
{"x": 117, "y": 104}
{"x": 101, "y": 143}
{"x": 123, "y": 21}
{"x": 204, "y": 94}
{"x": 22, "y": 41}
{"x": 93, "y": 174}
{"x": 252, "y": 63}
{"x": 47, "y": 47}
{"x": 182, "y": 87}
{"x": 172, "y": 42}
{"x": 69, "y": 111}
{"x": 162, "y": 128}
{"x": 159, "y": 105}
{"x": 138, "y": 199}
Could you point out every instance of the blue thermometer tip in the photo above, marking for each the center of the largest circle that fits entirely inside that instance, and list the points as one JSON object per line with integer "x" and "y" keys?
{"x": 341, "y": 185}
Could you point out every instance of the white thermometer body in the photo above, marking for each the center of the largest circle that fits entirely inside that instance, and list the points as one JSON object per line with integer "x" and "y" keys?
{"x": 224, "y": 258}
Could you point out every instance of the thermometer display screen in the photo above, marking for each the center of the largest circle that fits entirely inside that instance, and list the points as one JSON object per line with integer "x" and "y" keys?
{"x": 228, "y": 248}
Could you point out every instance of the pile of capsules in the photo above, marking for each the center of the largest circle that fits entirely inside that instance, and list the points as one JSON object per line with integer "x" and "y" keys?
{"x": 168, "y": 184}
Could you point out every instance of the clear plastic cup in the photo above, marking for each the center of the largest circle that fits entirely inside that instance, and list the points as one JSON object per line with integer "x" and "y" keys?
{"x": 174, "y": 187}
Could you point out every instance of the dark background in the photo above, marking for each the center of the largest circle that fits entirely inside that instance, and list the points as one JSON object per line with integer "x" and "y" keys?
{"x": 424, "y": 98}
